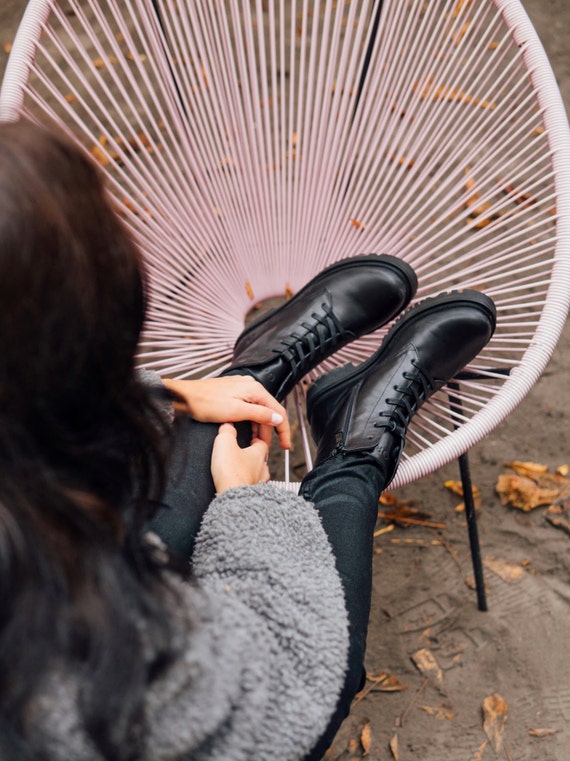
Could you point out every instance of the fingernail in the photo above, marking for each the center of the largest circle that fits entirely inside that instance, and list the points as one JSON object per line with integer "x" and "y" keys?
{"x": 276, "y": 418}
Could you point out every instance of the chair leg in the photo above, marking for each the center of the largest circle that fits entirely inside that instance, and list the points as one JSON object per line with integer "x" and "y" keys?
{"x": 473, "y": 531}
{"x": 469, "y": 501}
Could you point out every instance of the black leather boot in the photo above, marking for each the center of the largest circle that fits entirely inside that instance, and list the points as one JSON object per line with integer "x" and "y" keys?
{"x": 353, "y": 297}
{"x": 368, "y": 408}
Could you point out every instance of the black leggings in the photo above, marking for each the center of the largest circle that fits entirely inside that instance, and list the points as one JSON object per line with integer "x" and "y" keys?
{"x": 344, "y": 490}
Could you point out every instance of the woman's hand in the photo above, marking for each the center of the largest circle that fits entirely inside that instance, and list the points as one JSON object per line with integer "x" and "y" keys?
{"x": 232, "y": 466}
{"x": 232, "y": 399}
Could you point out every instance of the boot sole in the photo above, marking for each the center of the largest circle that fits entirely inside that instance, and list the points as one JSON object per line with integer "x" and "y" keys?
{"x": 383, "y": 260}
{"x": 349, "y": 374}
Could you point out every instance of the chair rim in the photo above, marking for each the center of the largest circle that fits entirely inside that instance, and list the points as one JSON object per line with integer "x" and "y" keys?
{"x": 554, "y": 313}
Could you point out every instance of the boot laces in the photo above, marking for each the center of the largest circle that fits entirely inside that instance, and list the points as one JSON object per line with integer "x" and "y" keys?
{"x": 317, "y": 340}
{"x": 412, "y": 395}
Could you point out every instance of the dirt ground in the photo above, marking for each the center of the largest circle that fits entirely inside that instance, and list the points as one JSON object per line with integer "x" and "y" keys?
{"x": 433, "y": 658}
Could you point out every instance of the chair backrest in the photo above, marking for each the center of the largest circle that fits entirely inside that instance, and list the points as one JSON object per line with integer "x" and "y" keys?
{"x": 250, "y": 144}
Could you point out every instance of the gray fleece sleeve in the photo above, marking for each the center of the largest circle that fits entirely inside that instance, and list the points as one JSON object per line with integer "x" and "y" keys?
{"x": 266, "y": 655}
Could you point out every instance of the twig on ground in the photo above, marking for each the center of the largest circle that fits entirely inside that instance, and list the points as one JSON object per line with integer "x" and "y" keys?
{"x": 406, "y": 520}
{"x": 560, "y": 523}
{"x": 450, "y": 549}
{"x": 363, "y": 693}
{"x": 413, "y": 701}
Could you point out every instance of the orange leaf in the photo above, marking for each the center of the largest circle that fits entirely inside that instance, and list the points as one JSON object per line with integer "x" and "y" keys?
{"x": 366, "y": 738}
{"x": 542, "y": 732}
{"x": 425, "y": 662}
{"x": 495, "y": 712}
{"x": 523, "y": 493}
{"x": 440, "y": 712}
{"x": 386, "y": 682}
{"x": 457, "y": 488}
{"x": 507, "y": 571}
{"x": 529, "y": 469}
{"x": 394, "y": 748}
{"x": 462, "y": 32}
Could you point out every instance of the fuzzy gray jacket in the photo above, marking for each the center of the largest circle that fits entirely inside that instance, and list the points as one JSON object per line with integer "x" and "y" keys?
{"x": 264, "y": 657}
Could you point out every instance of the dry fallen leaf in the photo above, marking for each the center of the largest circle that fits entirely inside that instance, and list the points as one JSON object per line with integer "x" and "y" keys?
{"x": 461, "y": 34}
{"x": 404, "y": 161}
{"x": 130, "y": 205}
{"x": 104, "y": 154}
{"x": 523, "y": 493}
{"x": 495, "y": 712}
{"x": 386, "y": 682}
{"x": 132, "y": 56}
{"x": 544, "y": 732}
{"x": 249, "y": 290}
{"x": 403, "y": 514}
{"x": 435, "y": 91}
{"x": 459, "y": 6}
{"x": 533, "y": 485}
{"x": 353, "y": 746}
{"x": 101, "y": 63}
{"x": 506, "y": 571}
{"x": 518, "y": 196}
{"x": 478, "y": 209}
{"x": 366, "y": 737}
{"x": 383, "y": 682}
{"x": 426, "y": 663}
{"x": 360, "y": 743}
{"x": 527, "y": 468}
{"x": 98, "y": 153}
{"x": 394, "y": 748}
{"x": 540, "y": 474}
{"x": 440, "y": 712}
{"x": 557, "y": 522}
{"x": 385, "y": 530}
{"x": 418, "y": 542}
{"x": 456, "y": 487}
{"x": 470, "y": 582}
{"x": 479, "y": 752}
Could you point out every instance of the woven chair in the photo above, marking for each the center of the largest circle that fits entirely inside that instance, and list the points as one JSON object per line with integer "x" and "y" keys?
{"x": 249, "y": 144}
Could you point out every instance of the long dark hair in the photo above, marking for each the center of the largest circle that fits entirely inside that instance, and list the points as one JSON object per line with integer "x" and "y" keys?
{"x": 81, "y": 446}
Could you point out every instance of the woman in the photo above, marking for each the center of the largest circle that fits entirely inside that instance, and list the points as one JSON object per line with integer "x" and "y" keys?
{"x": 111, "y": 646}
